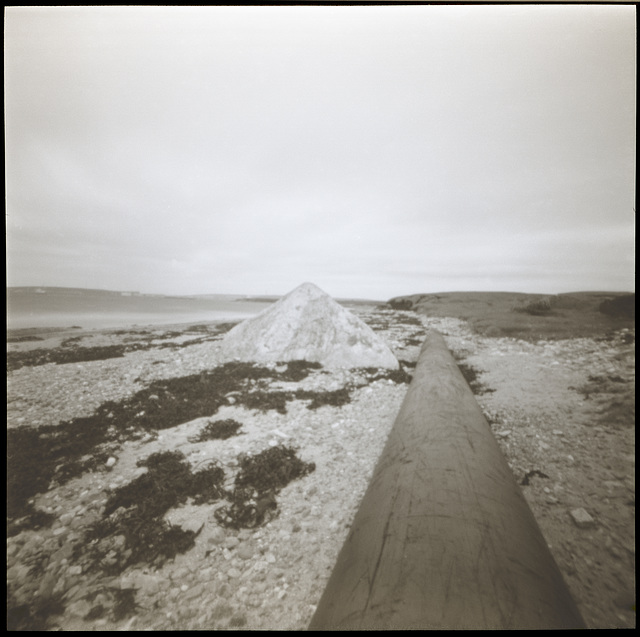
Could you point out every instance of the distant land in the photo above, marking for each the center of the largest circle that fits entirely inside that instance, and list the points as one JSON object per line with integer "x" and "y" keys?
{"x": 90, "y": 308}
{"x": 47, "y": 306}
{"x": 528, "y": 316}
{"x": 518, "y": 315}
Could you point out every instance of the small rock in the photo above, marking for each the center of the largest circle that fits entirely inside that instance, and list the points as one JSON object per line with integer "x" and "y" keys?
{"x": 180, "y": 573}
{"x": 504, "y": 433}
{"x": 270, "y": 557}
{"x": 582, "y": 519}
{"x": 195, "y": 526}
{"x": 12, "y": 550}
{"x": 110, "y": 462}
{"x": 245, "y": 551}
{"x": 234, "y": 573}
{"x": 65, "y": 518}
{"x": 224, "y": 590}
{"x": 217, "y": 536}
{"x": 193, "y": 592}
{"x": 231, "y": 542}
{"x": 79, "y": 608}
{"x": 47, "y": 585}
{"x": 244, "y": 534}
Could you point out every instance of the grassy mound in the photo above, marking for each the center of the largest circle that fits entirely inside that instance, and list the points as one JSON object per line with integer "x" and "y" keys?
{"x": 560, "y": 316}
{"x": 621, "y": 306}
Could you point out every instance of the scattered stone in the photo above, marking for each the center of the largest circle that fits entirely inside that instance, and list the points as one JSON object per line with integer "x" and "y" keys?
{"x": 193, "y": 592}
{"x": 217, "y": 536}
{"x": 245, "y": 551}
{"x": 192, "y": 526}
{"x": 110, "y": 462}
{"x": 79, "y": 608}
{"x": 582, "y": 519}
{"x": 263, "y": 600}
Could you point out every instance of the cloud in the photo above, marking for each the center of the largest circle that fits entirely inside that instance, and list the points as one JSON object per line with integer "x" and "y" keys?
{"x": 244, "y": 149}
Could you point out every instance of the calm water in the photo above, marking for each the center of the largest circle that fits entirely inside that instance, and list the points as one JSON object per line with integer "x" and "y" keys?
{"x": 97, "y": 309}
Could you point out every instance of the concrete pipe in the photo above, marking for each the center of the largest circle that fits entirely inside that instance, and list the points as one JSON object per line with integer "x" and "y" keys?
{"x": 444, "y": 538}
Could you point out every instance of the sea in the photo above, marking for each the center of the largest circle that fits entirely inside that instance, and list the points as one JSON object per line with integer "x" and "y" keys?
{"x": 31, "y": 307}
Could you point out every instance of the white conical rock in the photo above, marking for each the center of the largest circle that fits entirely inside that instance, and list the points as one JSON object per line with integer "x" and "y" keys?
{"x": 307, "y": 324}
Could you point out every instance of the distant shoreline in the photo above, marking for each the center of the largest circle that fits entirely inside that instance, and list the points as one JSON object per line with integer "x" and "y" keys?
{"x": 92, "y": 309}
{"x": 51, "y": 307}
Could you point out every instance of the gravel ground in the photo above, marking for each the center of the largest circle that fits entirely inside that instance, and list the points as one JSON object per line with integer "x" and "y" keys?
{"x": 549, "y": 416}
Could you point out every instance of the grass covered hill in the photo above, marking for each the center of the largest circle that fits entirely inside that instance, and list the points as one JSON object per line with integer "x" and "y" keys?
{"x": 529, "y": 316}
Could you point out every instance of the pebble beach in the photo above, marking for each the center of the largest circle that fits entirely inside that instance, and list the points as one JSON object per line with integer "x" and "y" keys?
{"x": 271, "y": 576}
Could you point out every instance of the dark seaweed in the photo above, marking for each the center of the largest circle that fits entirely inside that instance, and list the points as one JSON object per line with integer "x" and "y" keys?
{"x": 70, "y": 352}
{"x": 34, "y": 616}
{"x": 36, "y": 456}
{"x": 135, "y": 511}
{"x": 217, "y": 430}
{"x": 124, "y": 603}
{"x": 471, "y": 376}
{"x": 259, "y": 480}
{"x": 532, "y": 474}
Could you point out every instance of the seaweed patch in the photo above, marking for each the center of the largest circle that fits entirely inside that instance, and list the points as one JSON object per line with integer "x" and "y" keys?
{"x": 260, "y": 478}
{"x": 133, "y": 529}
{"x": 70, "y": 352}
{"x": 35, "y": 616}
{"x": 36, "y": 456}
{"x": 217, "y": 430}
{"x": 471, "y": 376}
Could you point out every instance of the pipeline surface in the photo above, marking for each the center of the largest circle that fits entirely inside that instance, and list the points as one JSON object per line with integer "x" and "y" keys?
{"x": 443, "y": 537}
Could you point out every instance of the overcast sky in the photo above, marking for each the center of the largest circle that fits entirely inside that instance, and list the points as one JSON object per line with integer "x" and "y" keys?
{"x": 376, "y": 151}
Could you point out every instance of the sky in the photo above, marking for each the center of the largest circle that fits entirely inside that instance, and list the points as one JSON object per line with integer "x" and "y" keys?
{"x": 376, "y": 151}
